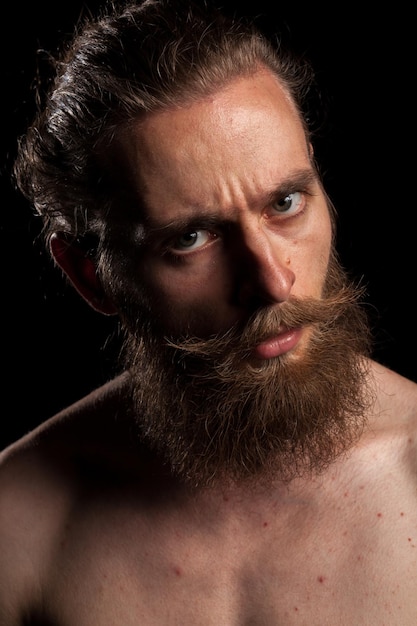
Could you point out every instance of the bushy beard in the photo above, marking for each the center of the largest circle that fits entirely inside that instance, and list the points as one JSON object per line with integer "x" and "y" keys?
{"x": 214, "y": 413}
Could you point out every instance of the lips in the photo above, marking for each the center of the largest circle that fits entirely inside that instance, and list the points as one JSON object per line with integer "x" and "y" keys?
{"x": 278, "y": 345}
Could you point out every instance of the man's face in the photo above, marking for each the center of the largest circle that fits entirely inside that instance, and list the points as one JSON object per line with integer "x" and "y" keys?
{"x": 239, "y": 319}
{"x": 236, "y": 217}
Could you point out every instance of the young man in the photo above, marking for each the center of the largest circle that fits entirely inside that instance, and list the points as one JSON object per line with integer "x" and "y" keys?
{"x": 253, "y": 464}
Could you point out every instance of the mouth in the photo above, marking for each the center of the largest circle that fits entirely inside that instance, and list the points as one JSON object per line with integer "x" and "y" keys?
{"x": 278, "y": 345}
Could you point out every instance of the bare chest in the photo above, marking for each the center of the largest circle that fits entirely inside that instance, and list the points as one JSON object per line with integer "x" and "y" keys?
{"x": 355, "y": 564}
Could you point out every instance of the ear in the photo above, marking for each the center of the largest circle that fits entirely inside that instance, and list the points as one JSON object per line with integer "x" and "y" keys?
{"x": 81, "y": 271}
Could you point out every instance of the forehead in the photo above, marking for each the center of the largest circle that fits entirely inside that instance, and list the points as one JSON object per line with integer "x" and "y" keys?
{"x": 235, "y": 142}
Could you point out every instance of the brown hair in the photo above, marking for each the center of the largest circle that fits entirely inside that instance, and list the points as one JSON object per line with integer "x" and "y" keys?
{"x": 132, "y": 59}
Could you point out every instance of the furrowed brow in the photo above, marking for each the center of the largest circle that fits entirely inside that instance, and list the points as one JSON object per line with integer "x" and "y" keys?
{"x": 302, "y": 180}
{"x": 199, "y": 218}
{"x": 204, "y": 220}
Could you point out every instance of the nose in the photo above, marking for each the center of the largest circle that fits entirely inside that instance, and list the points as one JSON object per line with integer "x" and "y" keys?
{"x": 264, "y": 274}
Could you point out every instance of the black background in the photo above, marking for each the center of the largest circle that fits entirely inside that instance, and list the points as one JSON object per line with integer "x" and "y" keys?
{"x": 53, "y": 346}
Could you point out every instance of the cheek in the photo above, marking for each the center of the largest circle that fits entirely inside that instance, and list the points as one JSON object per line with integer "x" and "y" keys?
{"x": 322, "y": 233}
{"x": 310, "y": 259}
{"x": 182, "y": 297}
{"x": 325, "y": 237}
{"x": 323, "y": 249}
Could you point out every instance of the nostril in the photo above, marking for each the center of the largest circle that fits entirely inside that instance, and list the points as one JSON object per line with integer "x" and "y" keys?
{"x": 263, "y": 285}
{"x": 256, "y": 305}
{"x": 252, "y": 298}
{"x": 261, "y": 266}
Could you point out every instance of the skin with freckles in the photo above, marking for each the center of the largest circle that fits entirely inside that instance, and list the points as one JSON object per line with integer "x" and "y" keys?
{"x": 96, "y": 527}
{"x": 238, "y": 228}
{"x": 220, "y": 169}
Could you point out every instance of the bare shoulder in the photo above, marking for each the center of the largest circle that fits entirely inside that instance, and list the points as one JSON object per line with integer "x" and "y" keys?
{"x": 396, "y": 396}
{"x": 58, "y": 445}
{"x": 393, "y": 424}
{"x": 40, "y": 478}
{"x": 91, "y": 418}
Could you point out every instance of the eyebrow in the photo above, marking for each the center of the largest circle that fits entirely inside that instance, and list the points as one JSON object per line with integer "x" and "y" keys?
{"x": 206, "y": 218}
{"x": 300, "y": 180}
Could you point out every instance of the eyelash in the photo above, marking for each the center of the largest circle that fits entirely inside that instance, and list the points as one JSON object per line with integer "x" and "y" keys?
{"x": 213, "y": 229}
{"x": 177, "y": 255}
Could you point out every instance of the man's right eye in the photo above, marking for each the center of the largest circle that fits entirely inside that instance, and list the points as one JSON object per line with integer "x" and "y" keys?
{"x": 191, "y": 240}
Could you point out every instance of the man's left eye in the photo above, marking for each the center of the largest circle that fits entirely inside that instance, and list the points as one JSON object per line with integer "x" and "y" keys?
{"x": 291, "y": 203}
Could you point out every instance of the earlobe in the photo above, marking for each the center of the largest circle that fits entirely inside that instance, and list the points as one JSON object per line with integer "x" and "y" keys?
{"x": 81, "y": 271}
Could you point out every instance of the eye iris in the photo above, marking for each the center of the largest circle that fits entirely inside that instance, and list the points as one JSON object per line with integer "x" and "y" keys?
{"x": 188, "y": 239}
{"x": 285, "y": 202}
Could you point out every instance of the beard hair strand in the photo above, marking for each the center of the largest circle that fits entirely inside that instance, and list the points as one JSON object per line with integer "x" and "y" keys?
{"x": 213, "y": 413}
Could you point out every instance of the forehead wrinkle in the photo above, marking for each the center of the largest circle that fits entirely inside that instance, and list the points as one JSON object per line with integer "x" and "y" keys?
{"x": 196, "y": 213}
